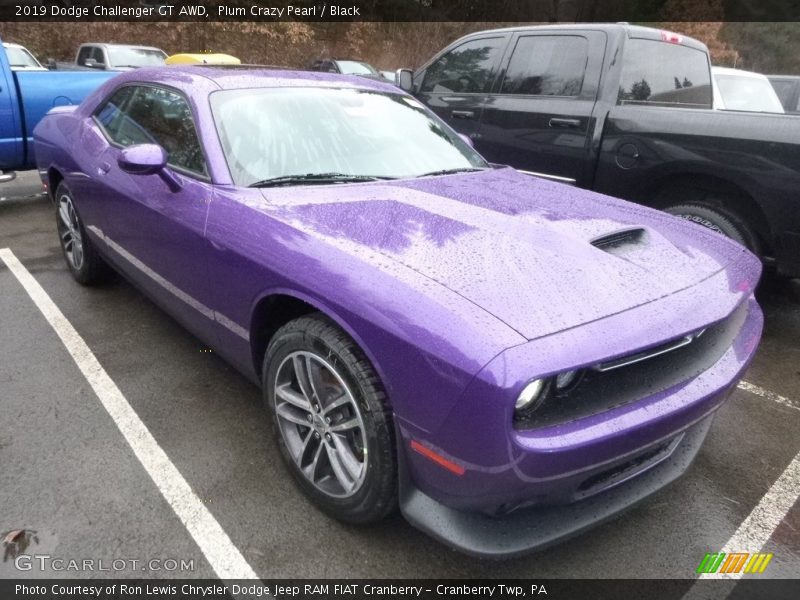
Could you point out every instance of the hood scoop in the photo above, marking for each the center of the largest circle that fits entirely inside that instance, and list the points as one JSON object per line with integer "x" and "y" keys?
{"x": 616, "y": 241}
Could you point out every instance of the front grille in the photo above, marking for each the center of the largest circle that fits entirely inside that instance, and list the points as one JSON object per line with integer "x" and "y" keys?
{"x": 601, "y": 390}
{"x": 625, "y": 470}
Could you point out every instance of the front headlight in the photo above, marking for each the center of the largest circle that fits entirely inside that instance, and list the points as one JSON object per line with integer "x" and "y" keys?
{"x": 537, "y": 391}
{"x": 566, "y": 379}
{"x": 531, "y": 396}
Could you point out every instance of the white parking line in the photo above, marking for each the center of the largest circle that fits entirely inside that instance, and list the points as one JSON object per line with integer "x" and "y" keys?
{"x": 756, "y": 530}
{"x": 759, "y": 391}
{"x": 214, "y": 543}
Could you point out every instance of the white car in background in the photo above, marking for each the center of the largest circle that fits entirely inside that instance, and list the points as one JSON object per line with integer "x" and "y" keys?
{"x": 21, "y": 59}
{"x": 735, "y": 89}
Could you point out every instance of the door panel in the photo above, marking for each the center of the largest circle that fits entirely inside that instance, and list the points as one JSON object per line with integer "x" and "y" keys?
{"x": 152, "y": 232}
{"x": 540, "y": 117}
{"x": 11, "y": 150}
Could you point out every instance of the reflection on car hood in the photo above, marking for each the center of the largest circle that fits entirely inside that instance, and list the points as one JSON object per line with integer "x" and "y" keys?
{"x": 517, "y": 246}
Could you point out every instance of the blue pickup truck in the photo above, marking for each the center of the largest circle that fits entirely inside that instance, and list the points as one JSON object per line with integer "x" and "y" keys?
{"x": 25, "y": 97}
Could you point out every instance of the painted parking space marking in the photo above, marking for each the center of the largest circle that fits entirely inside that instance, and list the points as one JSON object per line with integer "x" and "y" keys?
{"x": 213, "y": 541}
{"x": 759, "y": 391}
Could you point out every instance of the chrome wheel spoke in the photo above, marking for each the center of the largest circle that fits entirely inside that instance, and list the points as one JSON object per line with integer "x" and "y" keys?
{"x": 77, "y": 253}
{"x": 339, "y": 470}
{"x": 339, "y": 402}
{"x": 351, "y": 464}
{"x": 301, "y": 372}
{"x": 314, "y": 380}
{"x": 292, "y": 414}
{"x": 351, "y": 423}
{"x": 63, "y": 212}
{"x": 287, "y": 394}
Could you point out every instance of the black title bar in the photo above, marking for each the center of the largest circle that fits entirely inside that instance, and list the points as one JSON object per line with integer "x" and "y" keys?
{"x": 400, "y": 10}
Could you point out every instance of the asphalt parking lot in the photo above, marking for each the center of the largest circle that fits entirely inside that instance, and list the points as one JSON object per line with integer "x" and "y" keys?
{"x": 69, "y": 475}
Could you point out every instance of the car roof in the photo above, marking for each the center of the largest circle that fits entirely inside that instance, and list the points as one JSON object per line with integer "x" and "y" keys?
{"x": 107, "y": 45}
{"x": 230, "y": 77}
{"x": 632, "y": 31}
{"x": 739, "y": 72}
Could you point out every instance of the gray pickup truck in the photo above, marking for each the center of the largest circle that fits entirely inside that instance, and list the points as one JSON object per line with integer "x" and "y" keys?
{"x": 626, "y": 111}
{"x": 118, "y": 57}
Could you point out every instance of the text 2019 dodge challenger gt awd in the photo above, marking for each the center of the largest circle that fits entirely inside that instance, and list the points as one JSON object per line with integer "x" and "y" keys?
{"x": 510, "y": 359}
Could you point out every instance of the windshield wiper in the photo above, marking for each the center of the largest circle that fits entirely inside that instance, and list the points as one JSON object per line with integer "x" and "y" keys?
{"x": 320, "y": 178}
{"x": 453, "y": 171}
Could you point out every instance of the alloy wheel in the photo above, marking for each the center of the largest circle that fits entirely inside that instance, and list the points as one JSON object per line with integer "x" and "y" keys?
{"x": 70, "y": 231}
{"x": 321, "y": 424}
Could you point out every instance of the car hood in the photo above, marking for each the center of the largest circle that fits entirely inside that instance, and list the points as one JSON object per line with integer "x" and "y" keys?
{"x": 540, "y": 256}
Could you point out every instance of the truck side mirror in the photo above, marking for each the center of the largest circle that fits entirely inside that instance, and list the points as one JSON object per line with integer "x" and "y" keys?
{"x": 405, "y": 79}
{"x": 91, "y": 63}
{"x": 50, "y": 63}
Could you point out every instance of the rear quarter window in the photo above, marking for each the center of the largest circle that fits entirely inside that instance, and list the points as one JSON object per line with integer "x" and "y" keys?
{"x": 664, "y": 74}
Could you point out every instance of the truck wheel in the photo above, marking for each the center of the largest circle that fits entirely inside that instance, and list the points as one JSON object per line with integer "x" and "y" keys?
{"x": 719, "y": 221}
{"x": 80, "y": 255}
{"x": 331, "y": 418}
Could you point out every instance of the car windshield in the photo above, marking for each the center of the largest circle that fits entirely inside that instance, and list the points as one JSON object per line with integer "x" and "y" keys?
{"x": 747, "y": 93}
{"x": 354, "y": 67}
{"x": 126, "y": 56}
{"x": 270, "y": 133}
{"x": 19, "y": 57}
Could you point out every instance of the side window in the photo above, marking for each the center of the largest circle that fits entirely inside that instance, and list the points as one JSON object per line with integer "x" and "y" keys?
{"x": 150, "y": 115}
{"x": 665, "y": 74}
{"x": 547, "y": 65}
{"x": 784, "y": 91}
{"x": 83, "y": 54}
{"x": 115, "y": 122}
{"x": 465, "y": 69}
{"x": 97, "y": 54}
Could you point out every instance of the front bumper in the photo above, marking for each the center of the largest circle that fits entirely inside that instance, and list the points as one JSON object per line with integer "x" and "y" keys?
{"x": 511, "y": 491}
{"x": 531, "y": 529}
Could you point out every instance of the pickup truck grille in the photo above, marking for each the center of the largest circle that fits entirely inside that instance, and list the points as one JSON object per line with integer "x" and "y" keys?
{"x": 625, "y": 380}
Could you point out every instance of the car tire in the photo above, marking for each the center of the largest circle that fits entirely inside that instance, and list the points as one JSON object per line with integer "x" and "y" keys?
{"x": 81, "y": 257}
{"x": 720, "y": 221}
{"x": 331, "y": 418}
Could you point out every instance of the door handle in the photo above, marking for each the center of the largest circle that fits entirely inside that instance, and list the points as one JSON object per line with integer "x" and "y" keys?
{"x": 565, "y": 123}
{"x": 463, "y": 114}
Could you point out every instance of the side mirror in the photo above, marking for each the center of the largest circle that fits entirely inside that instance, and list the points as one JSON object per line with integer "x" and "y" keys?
{"x": 51, "y": 65}
{"x": 405, "y": 79}
{"x": 148, "y": 159}
{"x": 143, "y": 159}
{"x": 91, "y": 63}
{"x": 467, "y": 140}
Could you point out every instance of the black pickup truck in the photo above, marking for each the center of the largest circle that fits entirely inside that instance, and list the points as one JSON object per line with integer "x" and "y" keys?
{"x": 626, "y": 111}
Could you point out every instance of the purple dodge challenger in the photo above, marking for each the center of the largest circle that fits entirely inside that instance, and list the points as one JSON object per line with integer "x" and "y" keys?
{"x": 510, "y": 360}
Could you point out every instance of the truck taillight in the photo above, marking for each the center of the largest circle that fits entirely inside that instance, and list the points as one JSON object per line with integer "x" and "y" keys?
{"x": 672, "y": 38}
